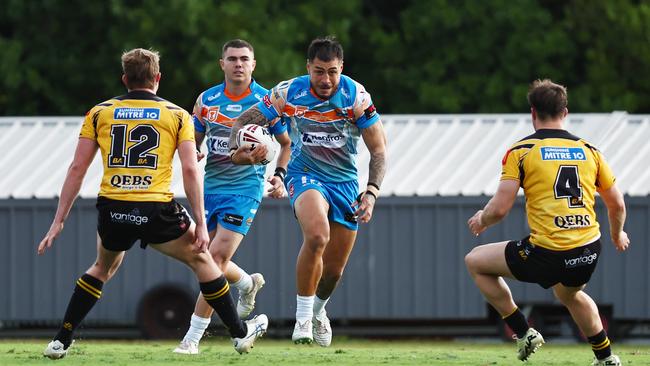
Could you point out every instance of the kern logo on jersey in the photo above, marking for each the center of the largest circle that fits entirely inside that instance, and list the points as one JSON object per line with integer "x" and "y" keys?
{"x": 563, "y": 153}
{"x": 215, "y": 112}
{"x": 218, "y": 145}
{"x": 137, "y": 113}
{"x": 331, "y": 140}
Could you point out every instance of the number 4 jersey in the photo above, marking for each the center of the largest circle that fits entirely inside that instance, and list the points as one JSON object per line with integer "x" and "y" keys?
{"x": 138, "y": 134}
{"x": 560, "y": 174}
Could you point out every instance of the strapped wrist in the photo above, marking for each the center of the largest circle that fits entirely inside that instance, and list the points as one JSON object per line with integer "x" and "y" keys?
{"x": 371, "y": 193}
{"x": 280, "y": 172}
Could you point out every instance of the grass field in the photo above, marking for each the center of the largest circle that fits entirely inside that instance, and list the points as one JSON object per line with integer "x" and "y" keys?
{"x": 282, "y": 352}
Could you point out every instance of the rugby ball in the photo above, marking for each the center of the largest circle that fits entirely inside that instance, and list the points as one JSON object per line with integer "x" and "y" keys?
{"x": 253, "y": 135}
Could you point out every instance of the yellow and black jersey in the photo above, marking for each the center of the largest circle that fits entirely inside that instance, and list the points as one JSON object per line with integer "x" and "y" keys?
{"x": 560, "y": 174}
{"x": 137, "y": 134}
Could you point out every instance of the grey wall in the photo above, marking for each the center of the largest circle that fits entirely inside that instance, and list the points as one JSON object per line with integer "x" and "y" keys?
{"x": 407, "y": 263}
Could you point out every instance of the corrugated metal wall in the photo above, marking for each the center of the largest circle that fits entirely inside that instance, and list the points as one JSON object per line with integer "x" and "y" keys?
{"x": 408, "y": 263}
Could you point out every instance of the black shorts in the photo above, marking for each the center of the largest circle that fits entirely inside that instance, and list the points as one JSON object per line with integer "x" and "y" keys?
{"x": 530, "y": 263}
{"x": 121, "y": 223}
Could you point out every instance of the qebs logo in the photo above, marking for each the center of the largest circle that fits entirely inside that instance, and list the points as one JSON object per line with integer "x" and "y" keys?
{"x": 136, "y": 114}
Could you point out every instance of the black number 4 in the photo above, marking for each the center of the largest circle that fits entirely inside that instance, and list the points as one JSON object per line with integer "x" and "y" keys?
{"x": 146, "y": 138}
{"x": 567, "y": 185}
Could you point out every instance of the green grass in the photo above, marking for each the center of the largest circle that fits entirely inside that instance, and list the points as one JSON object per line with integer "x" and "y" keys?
{"x": 283, "y": 352}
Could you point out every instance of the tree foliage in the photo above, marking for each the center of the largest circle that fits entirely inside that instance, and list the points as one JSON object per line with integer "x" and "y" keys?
{"x": 415, "y": 56}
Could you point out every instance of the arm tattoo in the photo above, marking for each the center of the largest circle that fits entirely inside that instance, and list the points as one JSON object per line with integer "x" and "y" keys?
{"x": 377, "y": 168}
{"x": 251, "y": 116}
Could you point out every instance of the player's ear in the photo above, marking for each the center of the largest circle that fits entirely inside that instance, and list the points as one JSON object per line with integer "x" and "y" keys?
{"x": 254, "y": 63}
{"x": 125, "y": 81}
{"x": 565, "y": 113}
{"x": 222, "y": 64}
{"x": 158, "y": 77}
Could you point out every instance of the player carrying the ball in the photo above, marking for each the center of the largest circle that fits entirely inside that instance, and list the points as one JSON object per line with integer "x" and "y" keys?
{"x": 328, "y": 112}
{"x": 560, "y": 174}
{"x": 232, "y": 192}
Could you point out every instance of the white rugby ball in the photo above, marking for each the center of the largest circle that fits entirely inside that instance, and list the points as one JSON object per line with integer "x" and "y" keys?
{"x": 253, "y": 135}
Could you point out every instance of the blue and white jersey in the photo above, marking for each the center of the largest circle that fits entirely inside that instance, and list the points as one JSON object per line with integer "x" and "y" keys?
{"x": 215, "y": 112}
{"x": 324, "y": 133}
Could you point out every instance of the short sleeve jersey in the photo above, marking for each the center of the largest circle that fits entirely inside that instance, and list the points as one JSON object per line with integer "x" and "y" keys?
{"x": 214, "y": 113}
{"x": 138, "y": 134}
{"x": 324, "y": 133}
{"x": 560, "y": 174}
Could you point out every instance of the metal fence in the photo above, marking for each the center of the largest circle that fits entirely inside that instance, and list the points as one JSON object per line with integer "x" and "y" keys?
{"x": 407, "y": 263}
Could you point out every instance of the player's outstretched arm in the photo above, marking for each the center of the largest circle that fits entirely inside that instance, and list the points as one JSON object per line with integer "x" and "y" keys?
{"x": 83, "y": 157}
{"x": 194, "y": 192}
{"x": 616, "y": 213}
{"x": 375, "y": 139}
{"x": 243, "y": 155}
{"x": 198, "y": 138}
{"x": 496, "y": 209}
{"x": 277, "y": 179}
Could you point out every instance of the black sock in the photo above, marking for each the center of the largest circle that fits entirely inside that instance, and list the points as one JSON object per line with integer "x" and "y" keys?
{"x": 86, "y": 293}
{"x": 217, "y": 294}
{"x": 600, "y": 345}
{"x": 517, "y": 322}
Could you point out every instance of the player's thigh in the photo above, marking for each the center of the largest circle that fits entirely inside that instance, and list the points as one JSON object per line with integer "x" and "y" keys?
{"x": 338, "y": 249}
{"x": 180, "y": 248}
{"x": 224, "y": 244}
{"x": 566, "y": 292}
{"x": 311, "y": 211}
{"x": 489, "y": 259}
{"x": 107, "y": 261}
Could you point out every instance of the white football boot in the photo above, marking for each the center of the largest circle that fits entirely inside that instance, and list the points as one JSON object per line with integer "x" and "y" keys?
{"x": 321, "y": 329}
{"x": 302, "y": 333}
{"x": 256, "y": 328}
{"x": 529, "y": 344}
{"x": 56, "y": 350}
{"x": 612, "y": 360}
{"x": 246, "y": 301}
{"x": 187, "y": 348}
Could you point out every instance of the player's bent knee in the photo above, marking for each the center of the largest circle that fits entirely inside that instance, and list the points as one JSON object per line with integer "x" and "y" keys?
{"x": 471, "y": 261}
{"x": 317, "y": 241}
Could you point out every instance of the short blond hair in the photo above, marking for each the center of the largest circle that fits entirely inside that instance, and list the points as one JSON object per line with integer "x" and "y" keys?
{"x": 140, "y": 67}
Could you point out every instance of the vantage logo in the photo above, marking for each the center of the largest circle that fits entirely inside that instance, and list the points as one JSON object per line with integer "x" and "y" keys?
{"x": 132, "y": 217}
{"x": 585, "y": 259}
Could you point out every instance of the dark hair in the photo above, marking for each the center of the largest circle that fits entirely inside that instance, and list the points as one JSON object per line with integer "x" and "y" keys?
{"x": 236, "y": 43}
{"x": 325, "y": 49}
{"x": 549, "y": 99}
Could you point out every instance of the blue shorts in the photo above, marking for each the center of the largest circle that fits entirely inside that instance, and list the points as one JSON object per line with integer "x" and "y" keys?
{"x": 340, "y": 196}
{"x": 232, "y": 211}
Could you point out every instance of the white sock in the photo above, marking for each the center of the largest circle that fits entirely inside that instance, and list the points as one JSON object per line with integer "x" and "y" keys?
{"x": 304, "y": 308}
{"x": 319, "y": 305}
{"x": 245, "y": 283}
{"x": 198, "y": 325}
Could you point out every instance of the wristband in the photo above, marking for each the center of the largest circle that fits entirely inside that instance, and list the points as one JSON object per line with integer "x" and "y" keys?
{"x": 360, "y": 196}
{"x": 280, "y": 172}
{"x": 372, "y": 194}
{"x": 374, "y": 185}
